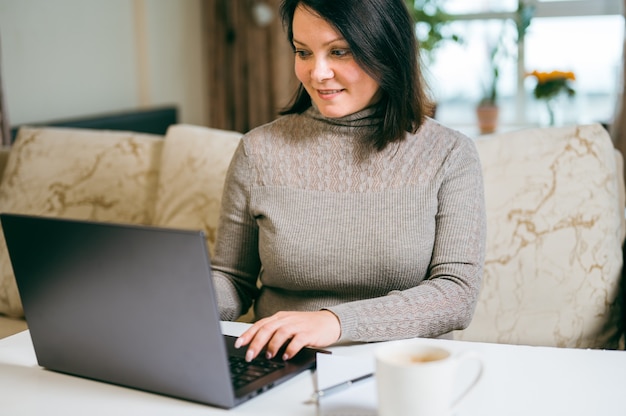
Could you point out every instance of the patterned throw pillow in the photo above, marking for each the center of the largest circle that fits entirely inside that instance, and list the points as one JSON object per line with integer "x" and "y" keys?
{"x": 76, "y": 173}
{"x": 193, "y": 168}
{"x": 555, "y": 227}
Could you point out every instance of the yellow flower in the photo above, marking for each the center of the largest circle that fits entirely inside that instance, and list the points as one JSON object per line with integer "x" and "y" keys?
{"x": 543, "y": 77}
{"x": 551, "y": 84}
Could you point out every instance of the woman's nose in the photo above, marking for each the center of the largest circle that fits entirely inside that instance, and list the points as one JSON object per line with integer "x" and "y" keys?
{"x": 321, "y": 70}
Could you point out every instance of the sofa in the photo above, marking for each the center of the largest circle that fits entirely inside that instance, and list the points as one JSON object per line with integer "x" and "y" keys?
{"x": 554, "y": 197}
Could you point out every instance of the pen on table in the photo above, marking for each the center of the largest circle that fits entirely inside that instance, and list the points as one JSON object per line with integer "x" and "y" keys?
{"x": 338, "y": 387}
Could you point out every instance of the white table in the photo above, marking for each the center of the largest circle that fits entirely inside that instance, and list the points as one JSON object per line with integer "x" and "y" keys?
{"x": 518, "y": 380}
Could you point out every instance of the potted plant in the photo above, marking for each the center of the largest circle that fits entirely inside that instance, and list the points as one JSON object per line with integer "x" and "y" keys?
{"x": 487, "y": 109}
{"x": 550, "y": 86}
{"x": 432, "y": 28}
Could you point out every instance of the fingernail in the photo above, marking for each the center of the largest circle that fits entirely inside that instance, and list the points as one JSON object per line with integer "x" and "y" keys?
{"x": 268, "y": 355}
{"x": 249, "y": 355}
{"x": 285, "y": 357}
{"x": 238, "y": 343}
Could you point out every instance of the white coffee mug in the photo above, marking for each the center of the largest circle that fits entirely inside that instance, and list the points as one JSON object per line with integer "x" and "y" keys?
{"x": 417, "y": 379}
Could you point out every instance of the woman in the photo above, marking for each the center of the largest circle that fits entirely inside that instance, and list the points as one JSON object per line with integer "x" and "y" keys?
{"x": 360, "y": 218}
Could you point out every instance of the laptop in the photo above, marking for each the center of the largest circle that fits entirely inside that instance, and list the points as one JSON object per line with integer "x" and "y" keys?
{"x": 133, "y": 306}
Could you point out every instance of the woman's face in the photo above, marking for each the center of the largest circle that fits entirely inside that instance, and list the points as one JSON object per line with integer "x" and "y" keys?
{"x": 326, "y": 67}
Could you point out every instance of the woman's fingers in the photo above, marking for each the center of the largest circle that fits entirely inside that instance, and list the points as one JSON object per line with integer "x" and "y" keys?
{"x": 255, "y": 337}
{"x": 294, "y": 346}
{"x": 296, "y": 330}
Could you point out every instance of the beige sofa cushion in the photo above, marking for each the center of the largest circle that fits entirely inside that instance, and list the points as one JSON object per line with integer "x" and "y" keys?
{"x": 193, "y": 168}
{"x": 76, "y": 173}
{"x": 555, "y": 227}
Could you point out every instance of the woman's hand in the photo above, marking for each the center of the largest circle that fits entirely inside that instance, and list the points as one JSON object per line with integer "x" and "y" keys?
{"x": 298, "y": 329}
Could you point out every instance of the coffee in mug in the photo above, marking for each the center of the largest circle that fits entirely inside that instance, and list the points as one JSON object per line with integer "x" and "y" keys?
{"x": 427, "y": 356}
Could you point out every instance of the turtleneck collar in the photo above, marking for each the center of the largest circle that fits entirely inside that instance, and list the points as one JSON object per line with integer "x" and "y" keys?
{"x": 363, "y": 118}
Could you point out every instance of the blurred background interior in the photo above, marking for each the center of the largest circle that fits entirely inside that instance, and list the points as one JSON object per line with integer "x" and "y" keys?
{"x": 226, "y": 63}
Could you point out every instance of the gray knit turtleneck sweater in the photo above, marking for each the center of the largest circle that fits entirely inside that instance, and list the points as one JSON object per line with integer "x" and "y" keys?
{"x": 392, "y": 242}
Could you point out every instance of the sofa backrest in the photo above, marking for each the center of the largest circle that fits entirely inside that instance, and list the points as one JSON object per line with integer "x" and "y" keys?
{"x": 555, "y": 229}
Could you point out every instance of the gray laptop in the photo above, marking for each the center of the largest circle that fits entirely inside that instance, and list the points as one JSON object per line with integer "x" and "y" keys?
{"x": 133, "y": 306}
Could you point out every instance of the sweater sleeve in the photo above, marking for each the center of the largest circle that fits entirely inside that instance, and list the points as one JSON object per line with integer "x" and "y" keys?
{"x": 445, "y": 300}
{"x": 236, "y": 262}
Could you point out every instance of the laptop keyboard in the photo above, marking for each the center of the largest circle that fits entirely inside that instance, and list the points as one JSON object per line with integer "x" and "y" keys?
{"x": 243, "y": 372}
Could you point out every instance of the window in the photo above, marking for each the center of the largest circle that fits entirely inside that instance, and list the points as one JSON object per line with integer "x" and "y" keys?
{"x": 583, "y": 36}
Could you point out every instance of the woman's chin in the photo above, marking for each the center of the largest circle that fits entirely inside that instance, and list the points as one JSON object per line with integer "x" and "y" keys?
{"x": 333, "y": 111}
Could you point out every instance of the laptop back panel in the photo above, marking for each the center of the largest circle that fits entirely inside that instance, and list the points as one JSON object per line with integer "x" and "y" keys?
{"x": 129, "y": 305}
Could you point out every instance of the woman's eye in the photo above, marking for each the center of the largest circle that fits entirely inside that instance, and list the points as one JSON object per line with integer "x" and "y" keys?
{"x": 302, "y": 53}
{"x": 340, "y": 52}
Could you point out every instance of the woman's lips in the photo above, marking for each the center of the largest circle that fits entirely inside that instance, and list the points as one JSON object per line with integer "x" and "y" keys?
{"x": 328, "y": 94}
